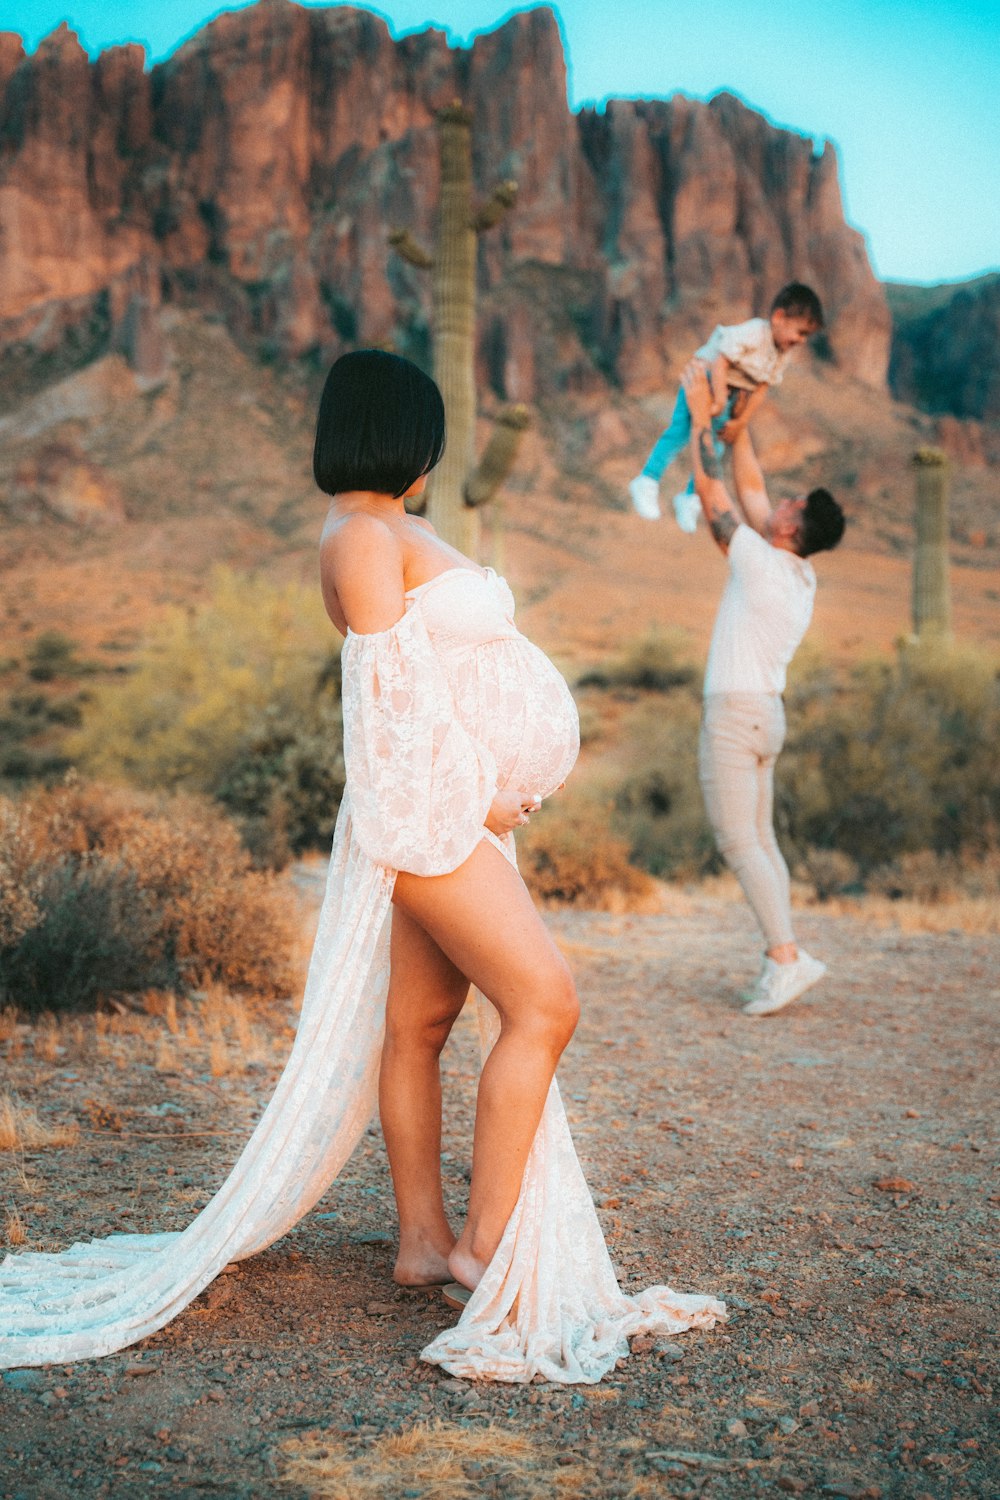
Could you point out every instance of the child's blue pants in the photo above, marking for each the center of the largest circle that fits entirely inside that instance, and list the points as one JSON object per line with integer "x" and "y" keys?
{"x": 676, "y": 437}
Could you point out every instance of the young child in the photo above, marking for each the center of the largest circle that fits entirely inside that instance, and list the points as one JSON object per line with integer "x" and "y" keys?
{"x": 744, "y": 359}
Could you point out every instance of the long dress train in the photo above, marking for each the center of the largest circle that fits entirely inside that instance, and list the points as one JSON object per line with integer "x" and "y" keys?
{"x": 439, "y": 710}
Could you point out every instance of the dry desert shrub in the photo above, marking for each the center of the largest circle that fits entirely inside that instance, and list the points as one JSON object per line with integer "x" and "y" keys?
{"x": 925, "y": 892}
{"x": 438, "y": 1459}
{"x": 570, "y": 856}
{"x": 929, "y": 877}
{"x": 830, "y": 872}
{"x": 131, "y": 891}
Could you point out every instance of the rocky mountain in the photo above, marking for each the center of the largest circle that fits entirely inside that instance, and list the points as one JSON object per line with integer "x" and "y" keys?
{"x": 946, "y": 347}
{"x": 255, "y": 174}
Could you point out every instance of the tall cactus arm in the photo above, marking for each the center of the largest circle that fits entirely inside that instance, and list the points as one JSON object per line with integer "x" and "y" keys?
{"x": 931, "y": 584}
{"x": 499, "y": 455}
{"x": 405, "y": 245}
{"x": 500, "y": 201}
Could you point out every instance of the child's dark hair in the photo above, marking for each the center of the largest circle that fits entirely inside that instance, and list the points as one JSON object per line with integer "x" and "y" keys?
{"x": 799, "y": 301}
{"x": 380, "y": 425}
{"x": 822, "y": 525}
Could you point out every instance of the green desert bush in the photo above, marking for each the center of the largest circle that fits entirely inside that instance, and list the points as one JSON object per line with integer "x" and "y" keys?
{"x": 887, "y": 780}
{"x": 52, "y": 654}
{"x": 656, "y": 662}
{"x": 106, "y": 890}
{"x": 32, "y": 728}
{"x": 238, "y": 700}
{"x": 658, "y": 806}
{"x": 93, "y": 936}
{"x": 900, "y": 758}
{"x": 284, "y": 784}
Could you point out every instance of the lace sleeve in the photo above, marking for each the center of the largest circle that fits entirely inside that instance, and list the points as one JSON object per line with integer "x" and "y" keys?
{"x": 419, "y": 786}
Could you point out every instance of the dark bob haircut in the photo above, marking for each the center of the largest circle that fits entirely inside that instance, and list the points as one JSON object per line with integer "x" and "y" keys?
{"x": 380, "y": 425}
{"x": 799, "y": 301}
{"x": 822, "y": 523}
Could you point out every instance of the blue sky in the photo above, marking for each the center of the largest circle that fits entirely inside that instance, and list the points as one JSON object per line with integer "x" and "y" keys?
{"x": 909, "y": 91}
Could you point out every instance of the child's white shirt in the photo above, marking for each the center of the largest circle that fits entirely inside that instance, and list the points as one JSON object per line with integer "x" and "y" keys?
{"x": 752, "y": 353}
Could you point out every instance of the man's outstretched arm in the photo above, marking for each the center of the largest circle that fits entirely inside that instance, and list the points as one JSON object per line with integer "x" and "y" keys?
{"x": 715, "y": 500}
{"x": 751, "y": 490}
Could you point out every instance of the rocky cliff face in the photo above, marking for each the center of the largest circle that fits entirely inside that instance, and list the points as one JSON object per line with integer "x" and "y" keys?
{"x": 947, "y": 359}
{"x": 256, "y": 173}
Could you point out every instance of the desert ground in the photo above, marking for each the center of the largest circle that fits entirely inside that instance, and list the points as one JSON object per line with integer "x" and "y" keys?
{"x": 828, "y": 1171}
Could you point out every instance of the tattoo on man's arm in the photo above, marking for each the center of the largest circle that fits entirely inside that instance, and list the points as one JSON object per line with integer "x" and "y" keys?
{"x": 709, "y": 457}
{"x": 723, "y": 526}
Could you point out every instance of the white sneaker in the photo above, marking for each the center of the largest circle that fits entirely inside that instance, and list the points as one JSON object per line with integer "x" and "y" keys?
{"x": 750, "y": 993}
{"x": 780, "y": 984}
{"x": 687, "y": 509}
{"x": 645, "y": 493}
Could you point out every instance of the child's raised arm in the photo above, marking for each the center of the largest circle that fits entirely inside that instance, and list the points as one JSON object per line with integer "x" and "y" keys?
{"x": 718, "y": 379}
{"x": 746, "y": 404}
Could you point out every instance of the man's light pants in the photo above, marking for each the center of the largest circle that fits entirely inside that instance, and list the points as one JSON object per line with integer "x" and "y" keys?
{"x": 741, "y": 735}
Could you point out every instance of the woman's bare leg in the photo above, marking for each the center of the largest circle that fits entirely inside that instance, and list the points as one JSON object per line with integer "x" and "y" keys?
{"x": 483, "y": 919}
{"x": 426, "y": 994}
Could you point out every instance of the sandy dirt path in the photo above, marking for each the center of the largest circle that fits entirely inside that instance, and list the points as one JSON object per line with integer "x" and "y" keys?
{"x": 728, "y": 1155}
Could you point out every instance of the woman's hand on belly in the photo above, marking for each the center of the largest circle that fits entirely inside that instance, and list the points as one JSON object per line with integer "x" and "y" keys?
{"x": 510, "y": 809}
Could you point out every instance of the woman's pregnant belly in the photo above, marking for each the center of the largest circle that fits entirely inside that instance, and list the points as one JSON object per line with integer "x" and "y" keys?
{"x": 515, "y": 702}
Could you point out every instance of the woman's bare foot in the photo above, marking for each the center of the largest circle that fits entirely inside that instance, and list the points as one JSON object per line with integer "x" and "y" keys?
{"x": 465, "y": 1268}
{"x": 421, "y": 1262}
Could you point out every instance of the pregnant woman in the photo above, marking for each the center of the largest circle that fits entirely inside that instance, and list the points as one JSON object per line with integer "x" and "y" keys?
{"x": 455, "y": 727}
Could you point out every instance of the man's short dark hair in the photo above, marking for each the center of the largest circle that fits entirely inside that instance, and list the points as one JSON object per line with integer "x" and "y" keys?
{"x": 380, "y": 425}
{"x": 799, "y": 301}
{"x": 822, "y": 525}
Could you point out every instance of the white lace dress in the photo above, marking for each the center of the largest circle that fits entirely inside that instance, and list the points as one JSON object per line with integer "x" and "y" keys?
{"x": 439, "y": 711}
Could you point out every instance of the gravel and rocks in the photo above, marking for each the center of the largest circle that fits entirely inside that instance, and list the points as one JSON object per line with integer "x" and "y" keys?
{"x": 829, "y": 1171}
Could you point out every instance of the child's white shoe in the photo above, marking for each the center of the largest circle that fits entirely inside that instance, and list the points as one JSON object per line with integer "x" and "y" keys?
{"x": 687, "y": 509}
{"x": 645, "y": 493}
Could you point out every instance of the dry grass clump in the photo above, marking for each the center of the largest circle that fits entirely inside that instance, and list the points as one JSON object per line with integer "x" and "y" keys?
{"x": 570, "y": 856}
{"x": 128, "y": 891}
{"x": 234, "y": 1041}
{"x": 438, "y": 1459}
{"x": 15, "y": 1229}
{"x": 22, "y": 1130}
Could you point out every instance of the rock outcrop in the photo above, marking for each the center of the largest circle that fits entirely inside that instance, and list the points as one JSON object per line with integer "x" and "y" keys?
{"x": 62, "y": 481}
{"x": 257, "y": 171}
{"x": 948, "y": 358}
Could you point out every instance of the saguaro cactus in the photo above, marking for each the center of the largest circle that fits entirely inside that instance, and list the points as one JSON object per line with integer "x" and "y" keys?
{"x": 458, "y": 486}
{"x": 931, "y": 588}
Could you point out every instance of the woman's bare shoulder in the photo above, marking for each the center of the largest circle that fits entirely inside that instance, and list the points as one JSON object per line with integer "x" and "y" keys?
{"x": 424, "y": 523}
{"x": 361, "y": 571}
{"x": 357, "y": 539}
